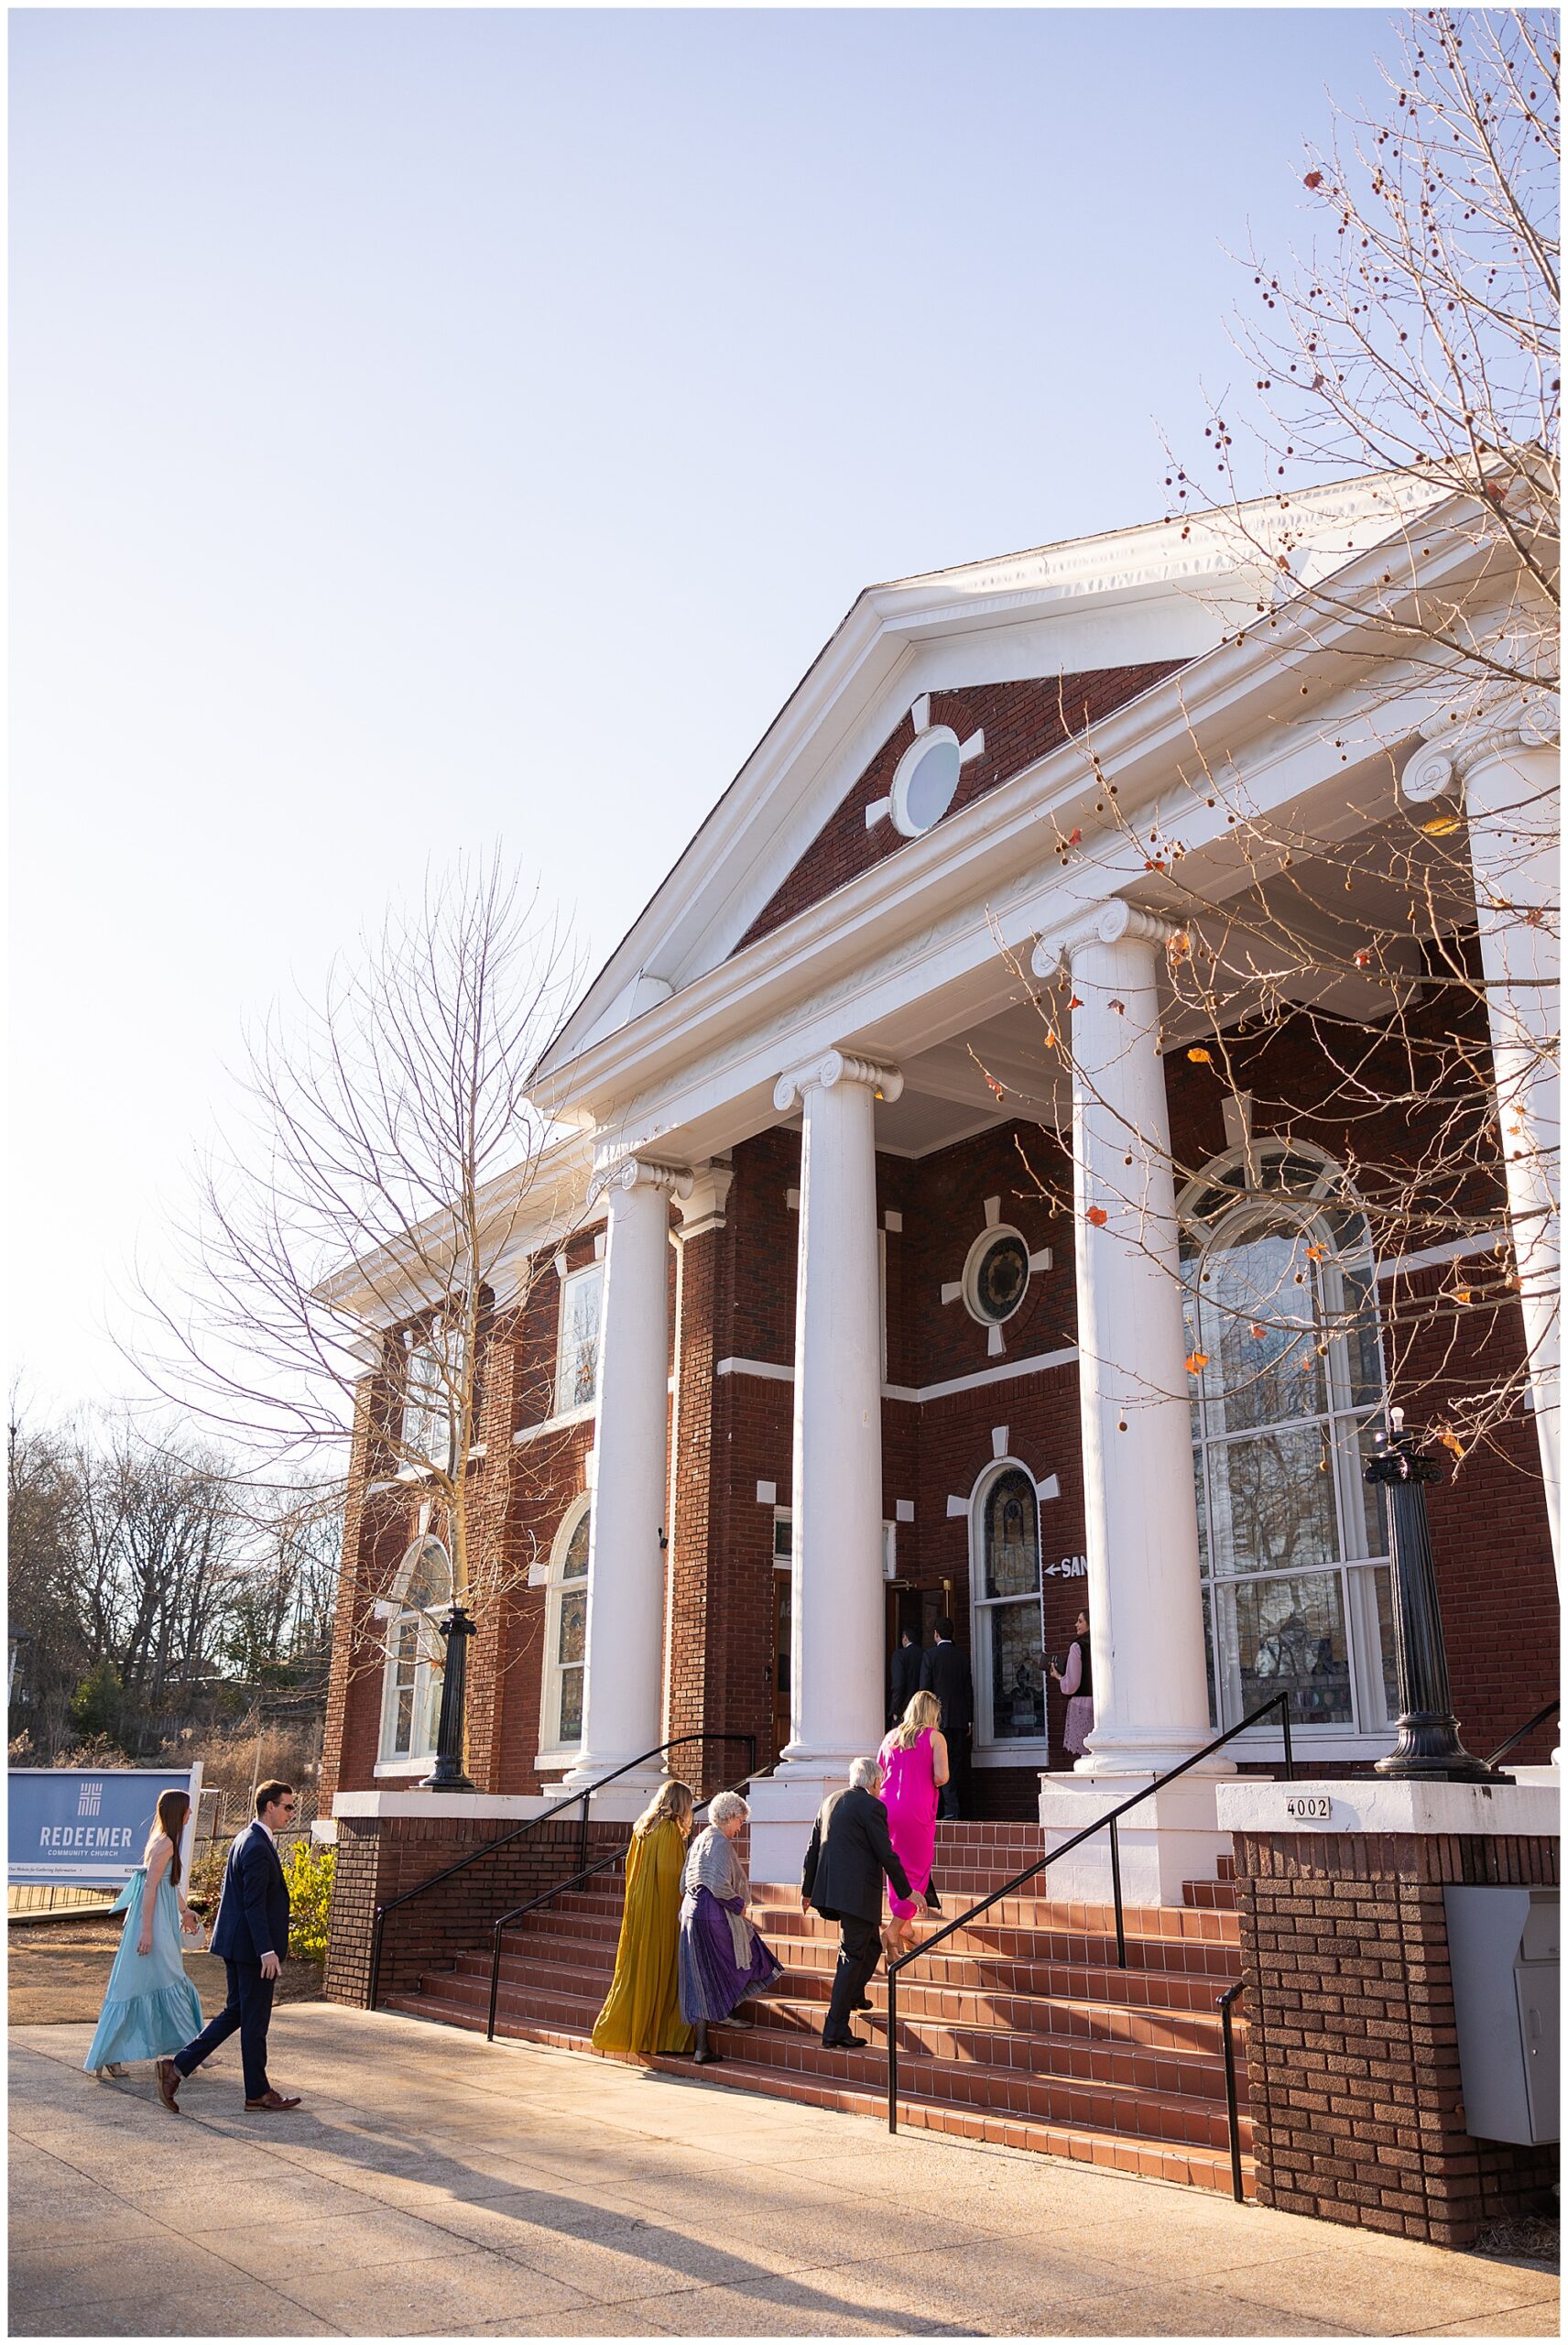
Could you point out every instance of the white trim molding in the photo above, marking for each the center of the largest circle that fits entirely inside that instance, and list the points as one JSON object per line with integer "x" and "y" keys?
{"x": 775, "y": 1372}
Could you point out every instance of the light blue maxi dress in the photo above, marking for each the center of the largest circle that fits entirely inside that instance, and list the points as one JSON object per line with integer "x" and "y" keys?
{"x": 150, "y": 2008}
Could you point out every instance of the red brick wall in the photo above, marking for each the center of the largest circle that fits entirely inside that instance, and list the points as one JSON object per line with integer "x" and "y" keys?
{"x": 1352, "y": 2052}
{"x": 380, "y": 1857}
{"x": 1021, "y": 721}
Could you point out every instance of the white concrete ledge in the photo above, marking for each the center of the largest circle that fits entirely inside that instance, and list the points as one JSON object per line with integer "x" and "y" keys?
{"x": 472, "y": 1806}
{"x": 1378, "y": 1804}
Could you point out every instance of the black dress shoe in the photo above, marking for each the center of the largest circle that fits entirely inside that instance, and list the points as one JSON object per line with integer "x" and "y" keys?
{"x": 844, "y": 2043}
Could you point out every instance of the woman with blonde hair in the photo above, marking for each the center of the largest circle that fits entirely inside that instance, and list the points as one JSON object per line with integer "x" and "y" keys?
{"x": 723, "y": 1957}
{"x": 913, "y": 1760}
{"x": 642, "y": 2010}
{"x": 150, "y": 2008}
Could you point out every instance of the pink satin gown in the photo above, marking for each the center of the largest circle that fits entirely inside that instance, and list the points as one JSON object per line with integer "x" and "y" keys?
{"x": 910, "y": 1795}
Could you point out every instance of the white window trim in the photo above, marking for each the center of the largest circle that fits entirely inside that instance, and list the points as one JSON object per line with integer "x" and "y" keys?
{"x": 969, "y": 1279}
{"x": 416, "y": 1761}
{"x": 989, "y": 1750}
{"x": 552, "y": 1751}
{"x": 565, "y": 1407}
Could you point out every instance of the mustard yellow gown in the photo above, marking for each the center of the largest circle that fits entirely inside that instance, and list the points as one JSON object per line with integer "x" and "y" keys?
{"x": 642, "y": 2010}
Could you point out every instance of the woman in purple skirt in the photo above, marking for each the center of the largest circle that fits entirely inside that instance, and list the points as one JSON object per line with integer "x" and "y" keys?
{"x": 723, "y": 1958}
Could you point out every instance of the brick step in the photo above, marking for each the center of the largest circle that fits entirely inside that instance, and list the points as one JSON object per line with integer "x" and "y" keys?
{"x": 1027, "y": 1935}
{"x": 1080, "y": 2017}
{"x": 1210, "y": 1896}
{"x": 1176, "y": 2121}
{"x": 535, "y": 1952}
{"x": 782, "y": 1902}
{"x": 1195, "y": 2071}
{"x": 1026, "y": 1838}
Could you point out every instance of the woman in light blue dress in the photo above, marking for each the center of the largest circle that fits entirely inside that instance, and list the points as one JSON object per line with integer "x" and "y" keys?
{"x": 150, "y": 2008}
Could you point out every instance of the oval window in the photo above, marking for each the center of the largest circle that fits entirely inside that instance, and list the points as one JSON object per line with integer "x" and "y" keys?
{"x": 997, "y": 1276}
{"x": 927, "y": 780}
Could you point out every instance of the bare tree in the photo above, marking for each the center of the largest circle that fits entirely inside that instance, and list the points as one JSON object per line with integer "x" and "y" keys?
{"x": 280, "y": 1616}
{"x": 44, "y": 1506}
{"x": 1416, "y": 340}
{"x": 1415, "y": 347}
{"x": 351, "y": 1233}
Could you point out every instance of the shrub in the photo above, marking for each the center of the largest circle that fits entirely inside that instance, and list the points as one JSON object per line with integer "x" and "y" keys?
{"x": 309, "y": 1870}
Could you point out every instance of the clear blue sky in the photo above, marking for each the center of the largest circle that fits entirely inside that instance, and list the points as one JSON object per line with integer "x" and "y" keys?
{"x": 433, "y": 426}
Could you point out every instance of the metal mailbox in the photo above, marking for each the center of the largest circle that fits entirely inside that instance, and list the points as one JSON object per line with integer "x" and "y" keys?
{"x": 1503, "y": 1956}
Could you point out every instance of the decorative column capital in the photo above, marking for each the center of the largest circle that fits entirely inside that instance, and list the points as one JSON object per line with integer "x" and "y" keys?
{"x": 701, "y": 1204}
{"x": 834, "y": 1067}
{"x": 637, "y": 1172}
{"x": 1452, "y": 748}
{"x": 1108, "y": 923}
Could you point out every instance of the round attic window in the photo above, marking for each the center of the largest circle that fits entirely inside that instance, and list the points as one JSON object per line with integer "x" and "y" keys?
{"x": 927, "y": 780}
{"x": 997, "y": 1276}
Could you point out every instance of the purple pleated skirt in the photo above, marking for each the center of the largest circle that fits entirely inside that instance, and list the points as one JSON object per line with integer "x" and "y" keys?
{"x": 712, "y": 1982}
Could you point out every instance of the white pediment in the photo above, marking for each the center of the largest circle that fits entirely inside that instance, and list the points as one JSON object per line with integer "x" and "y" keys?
{"x": 1152, "y": 593}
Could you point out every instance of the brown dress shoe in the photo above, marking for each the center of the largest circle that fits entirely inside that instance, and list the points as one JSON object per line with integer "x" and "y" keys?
{"x": 270, "y": 2099}
{"x": 169, "y": 2083}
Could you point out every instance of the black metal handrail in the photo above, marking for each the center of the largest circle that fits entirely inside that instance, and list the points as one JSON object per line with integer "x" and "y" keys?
{"x": 548, "y": 1896}
{"x": 531, "y": 1824}
{"x": 1529, "y": 1727}
{"x": 1281, "y": 1701}
{"x": 1233, "y": 2120}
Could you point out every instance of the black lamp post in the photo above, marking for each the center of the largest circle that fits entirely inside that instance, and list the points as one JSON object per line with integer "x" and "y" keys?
{"x": 447, "y": 1775}
{"x": 1429, "y": 1748}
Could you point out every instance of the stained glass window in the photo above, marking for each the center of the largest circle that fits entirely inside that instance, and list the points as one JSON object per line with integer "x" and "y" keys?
{"x": 1010, "y": 1663}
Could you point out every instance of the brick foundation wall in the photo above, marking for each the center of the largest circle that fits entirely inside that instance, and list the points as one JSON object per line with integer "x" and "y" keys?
{"x": 381, "y": 1857}
{"x": 1352, "y": 2051}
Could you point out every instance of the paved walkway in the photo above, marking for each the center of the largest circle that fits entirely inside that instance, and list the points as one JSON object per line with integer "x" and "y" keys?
{"x": 435, "y": 2183}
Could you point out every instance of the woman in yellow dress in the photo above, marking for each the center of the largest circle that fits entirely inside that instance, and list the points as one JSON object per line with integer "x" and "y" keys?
{"x": 642, "y": 2010}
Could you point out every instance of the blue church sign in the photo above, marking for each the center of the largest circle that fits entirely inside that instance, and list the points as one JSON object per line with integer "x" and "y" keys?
{"x": 77, "y": 1827}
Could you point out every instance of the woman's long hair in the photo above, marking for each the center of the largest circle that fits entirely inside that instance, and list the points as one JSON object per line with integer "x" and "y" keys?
{"x": 173, "y": 1807}
{"x": 924, "y": 1710}
{"x": 671, "y": 1803}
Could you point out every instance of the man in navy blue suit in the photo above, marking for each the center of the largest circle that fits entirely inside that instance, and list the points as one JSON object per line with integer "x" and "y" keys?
{"x": 252, "y": 1935}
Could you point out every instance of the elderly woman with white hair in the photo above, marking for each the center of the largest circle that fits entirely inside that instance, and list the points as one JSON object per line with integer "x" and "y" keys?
{"x": 722, "y": 1958}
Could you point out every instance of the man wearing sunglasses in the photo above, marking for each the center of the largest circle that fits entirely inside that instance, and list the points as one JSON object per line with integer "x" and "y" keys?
{"x": 251, "y": 1934}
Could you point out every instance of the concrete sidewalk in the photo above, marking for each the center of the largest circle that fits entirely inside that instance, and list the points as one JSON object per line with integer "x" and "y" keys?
{"x": 436, "y": 2184}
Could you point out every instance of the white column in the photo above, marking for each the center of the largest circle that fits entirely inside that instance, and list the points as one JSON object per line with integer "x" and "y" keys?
{"x": 837, "y": 1658}
{"x": 621, "y": 1679}
{"x": 1152, "y": 1704}
{"x": 1508, "y": 775}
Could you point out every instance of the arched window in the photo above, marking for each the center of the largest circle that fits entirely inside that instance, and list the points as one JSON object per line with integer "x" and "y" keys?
{"x": 410, "y": 1705}
{"x": 566, "y": 1632}
{"x": 1286, "y": 1369}
{"x": 1009, "y": 1674}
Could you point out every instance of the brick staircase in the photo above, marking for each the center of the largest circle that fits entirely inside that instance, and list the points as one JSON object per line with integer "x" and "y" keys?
{"x": 1020, "y": 2030}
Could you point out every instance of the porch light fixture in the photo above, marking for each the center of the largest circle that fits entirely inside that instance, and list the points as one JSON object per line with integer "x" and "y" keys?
{"x": 926, "y": 781}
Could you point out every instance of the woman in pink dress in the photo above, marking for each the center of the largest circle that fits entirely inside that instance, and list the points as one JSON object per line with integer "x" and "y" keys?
{"x": 913, "y": 1760}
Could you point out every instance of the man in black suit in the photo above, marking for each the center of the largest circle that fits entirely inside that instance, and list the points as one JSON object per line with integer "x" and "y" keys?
{"x": 251, "y": 1934}
{"x": 903, "y": 1677}
{"x": 849, "y": 1854}
{"x": 944, "y": 1671}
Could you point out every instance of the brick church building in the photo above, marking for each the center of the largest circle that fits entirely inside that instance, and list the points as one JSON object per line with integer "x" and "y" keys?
{"x": 897, "y": 1164}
